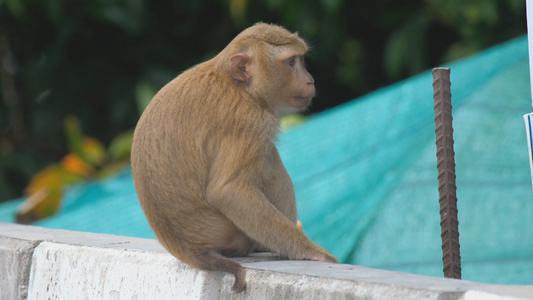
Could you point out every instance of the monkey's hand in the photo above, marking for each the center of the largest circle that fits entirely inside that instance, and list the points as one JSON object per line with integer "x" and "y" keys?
{"x": 323, "y": 256}
{"x": 319, "y": 254}
{"x": 315, "y": 253}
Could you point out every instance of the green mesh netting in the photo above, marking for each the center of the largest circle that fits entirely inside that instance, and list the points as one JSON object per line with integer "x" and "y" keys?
{"x": 366, "y": 179}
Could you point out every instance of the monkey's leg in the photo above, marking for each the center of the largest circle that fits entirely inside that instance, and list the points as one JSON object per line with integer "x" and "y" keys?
{"x": 266, "y": 224}
{"x": 211, "y": 260}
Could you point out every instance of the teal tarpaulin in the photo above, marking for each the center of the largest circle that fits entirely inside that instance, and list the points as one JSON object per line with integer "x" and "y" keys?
{"x": 366, "y": 179}
{"x": 366, "y": 176}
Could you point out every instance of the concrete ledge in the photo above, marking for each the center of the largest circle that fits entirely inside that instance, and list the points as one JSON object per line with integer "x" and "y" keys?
{"x": 38, "y": 263}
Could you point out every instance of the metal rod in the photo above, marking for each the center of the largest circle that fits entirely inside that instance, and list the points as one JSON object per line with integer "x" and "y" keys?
{"x": 451, "y": 256}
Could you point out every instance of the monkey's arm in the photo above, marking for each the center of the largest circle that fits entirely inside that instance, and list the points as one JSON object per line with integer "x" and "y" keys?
{"x": 234, "y": 191}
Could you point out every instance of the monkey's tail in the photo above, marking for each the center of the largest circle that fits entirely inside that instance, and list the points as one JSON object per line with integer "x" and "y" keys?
{"x": 214, "y": 261}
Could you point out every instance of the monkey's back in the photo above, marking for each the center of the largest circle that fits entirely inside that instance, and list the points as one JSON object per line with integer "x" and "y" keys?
{"x": 174, "y": 144}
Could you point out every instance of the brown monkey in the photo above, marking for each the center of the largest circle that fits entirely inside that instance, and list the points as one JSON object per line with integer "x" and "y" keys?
{"x": 206, "y": 170}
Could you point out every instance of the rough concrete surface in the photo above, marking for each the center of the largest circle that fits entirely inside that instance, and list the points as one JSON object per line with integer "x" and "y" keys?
{"x": 38, "y": 263}
{"x": 125, "y": 274}
{"x": 15, "y": 261}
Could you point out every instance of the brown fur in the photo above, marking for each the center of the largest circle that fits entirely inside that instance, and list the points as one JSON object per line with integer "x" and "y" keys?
{"x": 206, "y": 170}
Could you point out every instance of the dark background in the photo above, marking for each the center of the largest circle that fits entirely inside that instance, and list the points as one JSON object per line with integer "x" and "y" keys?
{"x": 102, "y": 60}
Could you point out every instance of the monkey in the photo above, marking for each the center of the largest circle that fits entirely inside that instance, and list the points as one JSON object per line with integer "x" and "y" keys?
{"x": 204, "y": 160}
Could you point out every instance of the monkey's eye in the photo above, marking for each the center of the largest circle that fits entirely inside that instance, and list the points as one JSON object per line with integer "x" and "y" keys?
{"x": 291, "y": 61}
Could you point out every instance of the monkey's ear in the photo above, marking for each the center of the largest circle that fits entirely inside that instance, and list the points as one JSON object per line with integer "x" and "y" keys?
{"x": 241, "y": 67}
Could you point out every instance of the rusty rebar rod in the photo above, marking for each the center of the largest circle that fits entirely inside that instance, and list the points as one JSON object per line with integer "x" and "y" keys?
{"x": 451, "y": 256}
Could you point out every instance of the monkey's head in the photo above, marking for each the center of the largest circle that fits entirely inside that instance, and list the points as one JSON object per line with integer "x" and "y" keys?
{"x": 268, "y": 61}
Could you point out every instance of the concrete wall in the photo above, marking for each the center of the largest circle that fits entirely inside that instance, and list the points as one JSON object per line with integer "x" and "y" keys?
{"x": 38, "y": 263}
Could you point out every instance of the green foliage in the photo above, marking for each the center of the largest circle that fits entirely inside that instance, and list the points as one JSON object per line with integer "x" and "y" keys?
{"x": 87, "y": 159}
{"x": 102, "y": 60}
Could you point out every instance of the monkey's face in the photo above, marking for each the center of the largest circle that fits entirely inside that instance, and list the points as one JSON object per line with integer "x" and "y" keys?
{"x": 294, "y": 86}
{"x": 302, "y": 88}
{"x": 275, "y": 73}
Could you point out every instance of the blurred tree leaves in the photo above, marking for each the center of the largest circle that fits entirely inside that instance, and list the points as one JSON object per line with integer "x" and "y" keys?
{"x": 102, "y": 60}
{"x": 88, "y": 158}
